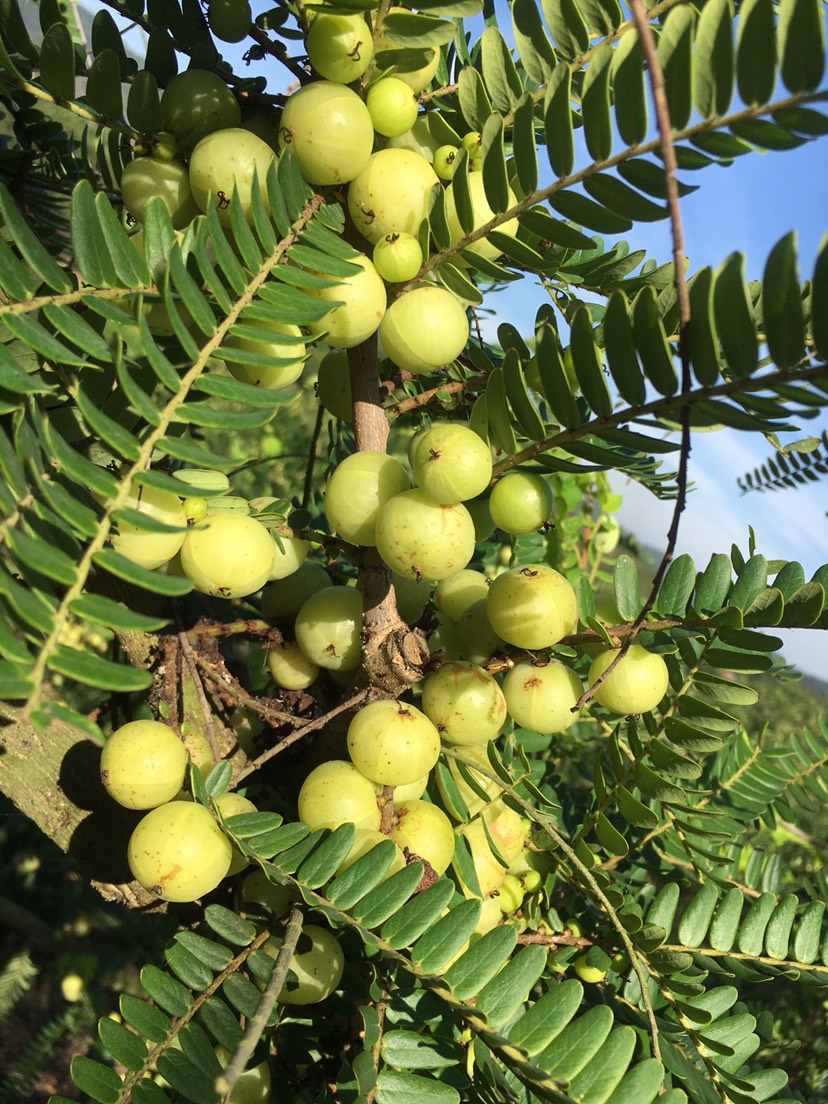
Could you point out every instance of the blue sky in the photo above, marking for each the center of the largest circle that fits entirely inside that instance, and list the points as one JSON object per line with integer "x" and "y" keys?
{"x": 747, "y": 206}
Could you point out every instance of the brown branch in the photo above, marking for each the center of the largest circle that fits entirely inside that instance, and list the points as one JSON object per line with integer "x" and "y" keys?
{"x": 206, "y": 712}
{"x": 279, "y": 51}
{"x": 416, "y": 401}
{"x": 668, "y": 155}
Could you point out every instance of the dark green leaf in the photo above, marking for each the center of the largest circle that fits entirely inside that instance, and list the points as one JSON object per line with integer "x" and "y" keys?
{"x": 627, "y": 77}
{"x": 782, "y": 304}
{"x": 569, "y": 31}
{"x": 620, "y": 348}
{"x": 734, "y": 317}
{"x": 652, "y": 344}
{"x": 122, "y": 568}
{"x": 481, "y": 962}
{"x": 31, "y": 249}
{"x": 674, "y": 52}
{"x": 501, "y": 998}
{"x": 626, "y": 588}
{"x": 534, "y": 48}
{"x": 500, "y": 423}
{"x": 595, "y": 102}
{"x": 89, "y": 243}
{"x": 229, "y": 925}
{"x": 753, "y": 927}
{"x": 583, "y": 211}
{"x": 149, "y": 1021}
{"x": 802, "y": 44}
{"x": 414, "y": 1050}
{"x": 98, "y": 1081}
{"x": 474, "y": 99}
{"x": 756, "y": 51}
{"x": 589, "y": 368}
{"x": 622, "y": 199}
{"x": 713, "y": 60}
{"x": 57, "y": 62}
{"x": 502, "y": 80}
{"x": 434, "y": 950}
{"x": 547, "y": 1017}
{"x": 103, "y": 85}
{"x": 124, "y": 1045}
{"x": 415, "y": 917}
{"x": 395, "y": 1087}
{"x": 557, "y": 114}
{"x": 92, "y": 670}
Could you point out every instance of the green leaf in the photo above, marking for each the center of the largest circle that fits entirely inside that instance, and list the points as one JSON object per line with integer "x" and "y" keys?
{"x": 641, "y": 1084}
{"x": 653, "y": 785}
{"x": 620, "y": 349}
{"x": 415, "y": 917}
{"x": 526, "y": 414}
{"x": 598, "y": 1079}
{"x": 778, "y": 931}
{"x": 578, "y": 1044}
{"x": 801, "y": 44}
{"x": 782, "y": 303}
{"x": 124, "y": 1045}
{"x": 144, "y": 103}
{"x": 122, "y": 568}
{"x": 501, "y": 998}
{"x": 734, "y": 317}
{"x": 534, "y": 48}
{"x": 713, "y": 60}
{"x": 702, "y": 334}
{"x": 697, "y": 916}
{"x": 57, "y": 62}
{"x": 557, "y": 115}
{"x": 502, "y": 80}
{"x": 150, "y": 1022}
{"x": 208, "y": 953}
{"x": 103, "y": 85}
{"x": 474, "y": 99}
{"x": 433, "y": 951}
{"x": 754, "y": 925}
{"x": 725, "y": 923}
{"x": 415, "y": 1051}
{"x": 819, "y": 300}
{"x": 495, "y": 177}
{"x": 751, "y": 580}
{"x": 362, "y": 876}
{"x": 595, "y": 104}
{"x": 523, "y": 145}
{"x": 98, "y": 1081}
{"x": 808, "y": 932}
{"x": 589, "y": 368}
{"x": 633, "y": 811}
{"x": 652, "y": 344}
{"x": 609, "y": 837}
{"x": 42, "y": 557}
{"x": 756, "y": 51}
{"x": 321, "y": 866}
{"x": 168, "y": 993}
{"x": 395, "y": 1087}
{"x": 229, "y": 925}
{"x": 388, "y": 897}
{"x": 218, "y": 779}
{"x": 103, "y": 674}
{"x": 583, "y": 211}
{"x": 677, "y": 587}
{"x": 627, "y": 78}
{"x": 569, "y": 31}
{"x": 547, "y": 1017}
{"x": 31, "y": 250}
{"x": 481, "y": 962}
{"x": 408, "y": 29}
{"x": 626, "y": 589}
{"x": 500, "y": 423}
{"x": 674, "y": 52}
{"x": 622, "y": 199}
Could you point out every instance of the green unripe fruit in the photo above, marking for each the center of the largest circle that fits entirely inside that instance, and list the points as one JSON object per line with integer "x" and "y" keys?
{"x": 225, "y": 160}
{"x": 510, "y": 894}
{"x": 392, "y": 743}
{"x": 283, "y": 598}
{"x": 290, "y": 667}
{"x": 143, "y": 546}
{"x": 482, "y": 214}
{"x": 362, "y": 306}
{"x": 521, "y": 502}
{"x": 337, "y": 793}
{"x": 455, "y": 594}
{"x": 258, "y": 889}
{"x": 179, "y": 852}
{"x": 589, "y": 974}
{"x": 329, "y": 129}
{"x": 424, "y": 329}
{"x": 230, "y": 20}
{"x": 340, "y": 47}
{"x": 196, "y": 103}
{"x": 484, "y": 526}
{"x": 541, "y": 697}
{"x": 253, "y": 1084}
{"x": 465, "y": 703}
{"x": 476, "y": 637}
{"x": 333, "y": 385}
{"x": 228, "y": 555}
{"x": 392, "y": 106}
{"x": 316, "y": 971}
{"x": 451, "y": 462}
{"x": 636, "y": 685}
{"x": 358, "y": 489}
{"x": 391, "y": 194}
{"x": 286, "y": 359}
{"x": 143, "y": 764}
{"x": 424, "y": 830}
{"x": 165, "y": 146}
{"x": 412, "y": 597}
{"x": 532, "y": 606}
{"x": 289, "y": 555}
{"x": 398, "y": 257}
{"x": 417, "y": 536}
{"x": 230, "y": 805}
{"x": 195, "y": 509}
{"x": 445, "y": 161}
{"x": 148, "y": 176}
{"x": 328, "y": 628}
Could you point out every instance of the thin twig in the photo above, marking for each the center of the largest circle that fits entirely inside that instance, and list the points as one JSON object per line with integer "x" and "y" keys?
{"x": 668, "y": 155}
{"x": 312, "y": 726}
{"x": 416, "y": 401}
{"x": 258, "y": 1021}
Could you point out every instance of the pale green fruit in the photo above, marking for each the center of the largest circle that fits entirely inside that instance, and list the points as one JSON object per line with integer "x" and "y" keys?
{"x": 227, "y": 159}
{"x": 317, "y": 970}
{"x": 145, "y": 548}
{"x": 366, "y": 840}
{"x": 482, "y": 214}
{"x": 425, "y": 832}
{"x": 362, "y": 299}
{"x": 506, "y": 829}
{"x": 288, "y": 558}
{"x": 146, "y": 177}
{"x": 228, "y": 555}
{"x": 358, "y": 488}
{"x": 143, "y": 764}
{"x": 290, "y": 667}
{"x": 333, "y": 385}
{"x": 541, "y": 696}
{"x": 179, "y": 852}
{"x": 445, "y": 640}
{"x": 230, "y": 805}
{"x": 329, "y": 129}
{"x": 589, "y": 974}
{"x": 455, "y": 594}
{"x": 392, "y": 194}
{"x": 286, "y": 359}
{"x": 637, "y": 684}
{"x": 253, "y": 1084}
{"x": 201, "y": 754}
{"x": 336, "y": 793}
{"x": 510, "y": 895}
{"x": 477, "y": 640}
{"x": 465, "y": 703}
{"x": 340, "y": 47}
{"x": 328, "y": 628}
{"x": 392, "y": 743}
{"x": 532, "y": 606}
{"x": 490, "y": 914}
{"x": 521, "y": 502}
{"x": 419, "y": 537}
{"x": 412, "y": 791}
{"x": 424, "y": 329}
{"x": 473, "y": 801}
{"x": 412, "y": 597}
{"x": 393, "y": 106}
{"x": 196, "y": 103}
{"x": 283, "y": 598}
{"x": 451, "y": 463}
{"x": 397, "y": 257}
{"x": 258, "y": 889}
{"x": 490, "y": 873}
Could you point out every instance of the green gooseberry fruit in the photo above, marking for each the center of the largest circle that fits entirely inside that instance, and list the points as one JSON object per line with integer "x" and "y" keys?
{"x": 226, "y": 160}
{"x": 392, "y": 106}
{"x": 228, "y": 555}
{"x": 179, "y": 852}
{"x": 278, "y": 363}
{"x": 521, "y": 502}
{"x": 340, "y": 47}
{"x": 636, "y": 685}
{"x": 398, "y": 257}
{"x": 445, "y": 161}
{"x": 143, "y": 764}
{"x": 230, "y": 19}
{"x": 149, "y": 176}
{"x": 195, "y": 103}
{"x": 424, "y": 329}
{"x": 329, "y": 129}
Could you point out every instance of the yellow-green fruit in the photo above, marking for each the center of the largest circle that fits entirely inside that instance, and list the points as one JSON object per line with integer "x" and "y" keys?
{"x": 361, "y": 310}
{"x": 289, "y": 554}
{"x": 636, "y": 685}
{"x": 145, "y": 548}
{"x": 589, "y": 974}
{"x": 490, "y": 873}
{"x": 329, "y": 129}
{"x": 424, "y": 329}
{"x": 258, "y": 889}
{"x": 286, "y": 359}
{"x": 283, "y": 598}
{"x": 336, "y": 793}
{"x": 228, "y": 555}
{"x": 510, "y": 894}
{"x": 482, "y": 214}
{"x": 392, "y": 194}
{"x": 425, "y": 831}
{"x": 230, "y": 805}
{"x": 317, "y": 969}
{"x": 541, "y": 697}
{"x": 228, "y": 159}
{"x": 143, "y": 764}
{"x": 455, "y": 594}
{"x": 201, "y": 754}
{"x": 532, "y": 606}
{"x": 179, "y": 852}
{"x": 146, "y": 177}
{"x": 358, "y": 487}
{"x": 290, "y": 667}
{"x": 252, "y": 1085}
